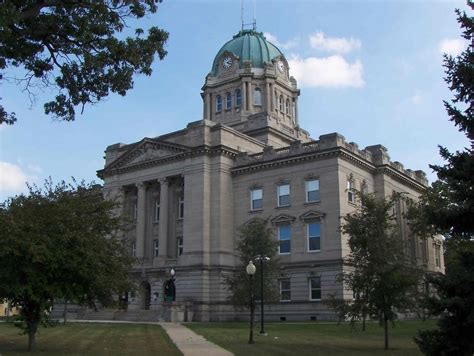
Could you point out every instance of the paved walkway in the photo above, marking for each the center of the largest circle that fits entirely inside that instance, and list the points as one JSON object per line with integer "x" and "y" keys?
{"x": 192, "y": 344}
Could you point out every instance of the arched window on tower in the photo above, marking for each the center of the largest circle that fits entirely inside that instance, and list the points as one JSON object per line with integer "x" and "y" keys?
{"x": 228, "y": 101}
{"x": 257, "y": 97}
{"x": 287, "y": 107}
{"x": 238, "y": 98}
{"x": 280, "y": 103}
{"x": 275, "y": 101}
{"x": 218, "y": 103}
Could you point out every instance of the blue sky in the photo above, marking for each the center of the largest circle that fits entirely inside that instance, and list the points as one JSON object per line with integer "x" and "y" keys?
{"x": 370, "y": 70}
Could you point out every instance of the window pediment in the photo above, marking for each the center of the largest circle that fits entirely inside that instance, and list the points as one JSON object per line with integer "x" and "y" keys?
{"x": 312, "y": 215}
{"x": 282, "y": 219}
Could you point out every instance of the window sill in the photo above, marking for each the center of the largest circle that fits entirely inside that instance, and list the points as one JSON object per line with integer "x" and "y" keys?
{"x": 313, "y": 251}
{"x": 255, "y": 211}
{"x": 312, "y": 202}
{"x": 315, "y": 300}
{"x": 352, "y": 203}
{"x": 284, "y": 253}
{"x": 283, "y": 206}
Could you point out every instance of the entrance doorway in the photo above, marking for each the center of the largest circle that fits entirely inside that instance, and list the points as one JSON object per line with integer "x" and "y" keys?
{"x": 145, "y": 295}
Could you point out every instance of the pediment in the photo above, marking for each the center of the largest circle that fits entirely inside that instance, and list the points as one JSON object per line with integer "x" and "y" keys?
{"x": 312, "y": 215}
{"x": 282, "y": 219}
{"x": 147, "y": 150}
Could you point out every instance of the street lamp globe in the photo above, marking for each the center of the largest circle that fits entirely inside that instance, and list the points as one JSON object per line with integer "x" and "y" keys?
{"x": 251, "y": 268}
{"x": 172, "y": 272}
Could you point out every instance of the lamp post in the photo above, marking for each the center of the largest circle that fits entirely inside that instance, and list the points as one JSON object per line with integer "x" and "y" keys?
{"x": 262, "y": 259}
{"x": 251, "y": 271}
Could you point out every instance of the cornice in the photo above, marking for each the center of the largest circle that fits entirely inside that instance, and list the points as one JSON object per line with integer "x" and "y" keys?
{"x": 194, "y": 152}
{"x": 340, "y": 152}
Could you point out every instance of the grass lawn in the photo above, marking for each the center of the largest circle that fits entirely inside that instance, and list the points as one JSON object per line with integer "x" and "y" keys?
{"x": 313, "y": 338}
{"x": 90, "y": 339}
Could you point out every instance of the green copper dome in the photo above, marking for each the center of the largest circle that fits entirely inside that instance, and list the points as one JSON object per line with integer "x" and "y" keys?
{"x": 248, "y": 45}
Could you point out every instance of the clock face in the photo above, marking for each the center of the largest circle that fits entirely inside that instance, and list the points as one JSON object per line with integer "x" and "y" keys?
{"x": 281, "y": 66}
{"x": 227, "y": 62}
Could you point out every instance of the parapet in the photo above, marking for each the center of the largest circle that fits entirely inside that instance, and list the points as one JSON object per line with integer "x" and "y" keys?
{"x": 377, "y": 155}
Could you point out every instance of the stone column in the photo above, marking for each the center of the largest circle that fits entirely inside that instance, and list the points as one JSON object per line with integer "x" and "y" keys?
{"x": 250, "y": 96}
{"x": 141, "y": 220}
{"x": 268, "y": 108}
{"x": 163, "y": 232}
{"x": 244, "y": 97}
{"x": 208, "y": 105}
{"x": 296, "y": 112}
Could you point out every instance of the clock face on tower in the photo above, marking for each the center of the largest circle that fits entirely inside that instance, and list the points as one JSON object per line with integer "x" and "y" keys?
{"x": 281, "y": 66}
{"x": 227, "y": 62}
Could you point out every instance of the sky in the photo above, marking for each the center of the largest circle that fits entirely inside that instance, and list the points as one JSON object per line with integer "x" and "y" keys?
{"x": 370, "y": 70}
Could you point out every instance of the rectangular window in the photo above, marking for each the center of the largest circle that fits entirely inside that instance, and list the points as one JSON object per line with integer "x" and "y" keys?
{"x": 181, "y": 207}
{"x": 350, "y": 191}
{"x": 256, "y": 198}
{"x": 437, "y": 256}
{"x": 312, "y": 190}
{"x": 284, "y": 195}
{"x": 315, "y": 288}
{"x": 157, "y": 209}
{"x": 180, "y": 246}
{"x": 284, "y": 238}
{"x": 285, "y": 290}
{"x": 134, "y": 249}
{"x": 228, "y": 101}
{"x": 314, "y": 236}
{"x": 156, "y": 247}
{"x": 135, "y": 210}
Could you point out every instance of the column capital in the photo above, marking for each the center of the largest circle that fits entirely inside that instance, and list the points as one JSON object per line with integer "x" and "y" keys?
{"x": 140, "y": 185}
{"x": 163, "y": 180}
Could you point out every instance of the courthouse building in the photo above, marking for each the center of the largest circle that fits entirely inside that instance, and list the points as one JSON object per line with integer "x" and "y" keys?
{"x": 188, "y": 191}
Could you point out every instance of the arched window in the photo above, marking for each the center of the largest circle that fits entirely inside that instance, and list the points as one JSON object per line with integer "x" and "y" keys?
{"x": 238, "y": 98}
{"x": 218, "y": 103}
{"x": 257, "y": 97}
{"x": 228, "y": 101}
{"x": 287, "y": 107}
{"x": 280, "y": 103}
{"x": 275, "y": 101}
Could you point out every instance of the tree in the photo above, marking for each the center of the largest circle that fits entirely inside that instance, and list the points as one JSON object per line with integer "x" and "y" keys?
{"x": 73, "y": 47}
{"x": 256, "y": 238}
{"x": 60, "y": 242}
{"x": 381, "y": 278}
{"x": 448, "y": 208}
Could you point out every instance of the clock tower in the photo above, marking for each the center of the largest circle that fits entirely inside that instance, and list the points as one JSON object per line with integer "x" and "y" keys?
{"x": 249, "y": 89}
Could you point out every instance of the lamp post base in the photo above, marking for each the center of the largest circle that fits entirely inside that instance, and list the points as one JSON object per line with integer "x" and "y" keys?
{"x": 263, "y": 333}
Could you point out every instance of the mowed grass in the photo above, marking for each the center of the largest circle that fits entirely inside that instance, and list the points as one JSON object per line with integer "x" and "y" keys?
{"x": 313, "y": 338}
{"x": 90, "y": 339}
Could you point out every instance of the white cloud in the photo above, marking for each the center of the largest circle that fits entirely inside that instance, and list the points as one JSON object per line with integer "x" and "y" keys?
{"x": 416, "y": 98}
{"x": 284, "y": 45}
{"x": 332, "y": 72}
{"x": 333, "y": 44}
{"x": 12, "y": 178}
{"x": 452, "y": 46}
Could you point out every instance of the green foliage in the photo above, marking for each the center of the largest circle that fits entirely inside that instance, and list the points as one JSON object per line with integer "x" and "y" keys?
{"x": 60, "y": 242}
{"x": 256, "y": 238}
{"x": 381, "y": 278}
{"x": 73, "y": 47}
{"x": 448, "y": 208}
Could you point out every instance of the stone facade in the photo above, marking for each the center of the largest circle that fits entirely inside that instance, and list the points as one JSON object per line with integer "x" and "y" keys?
{"x": 188, "y": 191}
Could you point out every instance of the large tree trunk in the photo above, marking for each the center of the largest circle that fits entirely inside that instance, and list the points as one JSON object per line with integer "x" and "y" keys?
{"x": 364, "y": 316}
{"x": 385, "y": 326}
{"x": 32, "y": 328}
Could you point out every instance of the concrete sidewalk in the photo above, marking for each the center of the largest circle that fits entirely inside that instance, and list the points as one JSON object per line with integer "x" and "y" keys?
{"x": 190, "y": 343}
